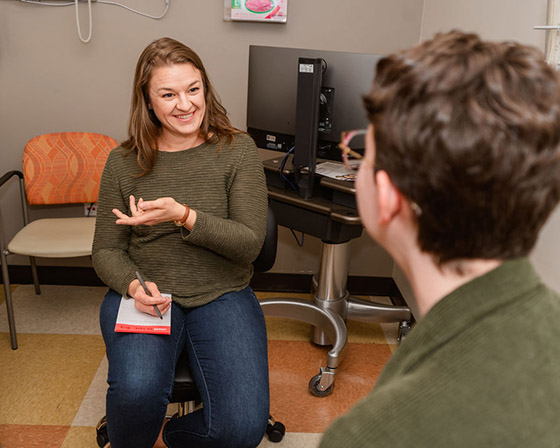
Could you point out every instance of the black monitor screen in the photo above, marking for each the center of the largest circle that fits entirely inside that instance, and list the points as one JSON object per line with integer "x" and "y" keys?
{"x": 272, "y": 95}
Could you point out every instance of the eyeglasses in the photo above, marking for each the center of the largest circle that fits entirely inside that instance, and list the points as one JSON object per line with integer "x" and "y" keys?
{"x": 351, "y": 158}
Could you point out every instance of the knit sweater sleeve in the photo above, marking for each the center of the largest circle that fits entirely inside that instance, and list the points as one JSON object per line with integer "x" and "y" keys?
{"x": 110, "y": 256}
{"x": 240, "y": 237}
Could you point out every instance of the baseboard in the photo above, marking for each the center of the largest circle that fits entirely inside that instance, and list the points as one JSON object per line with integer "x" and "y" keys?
{"x": 55, "y": 275}
{"x": 267, "y": 281}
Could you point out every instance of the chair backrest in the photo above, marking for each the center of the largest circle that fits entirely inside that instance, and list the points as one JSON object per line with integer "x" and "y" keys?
{"x": 267, "y": 255}
{"x": 65, "y": 167}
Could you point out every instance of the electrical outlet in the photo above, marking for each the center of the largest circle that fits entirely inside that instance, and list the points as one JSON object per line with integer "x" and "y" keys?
{"x": 90, "y": 209}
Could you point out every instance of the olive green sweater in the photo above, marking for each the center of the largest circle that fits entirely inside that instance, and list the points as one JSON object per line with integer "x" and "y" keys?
{"x": 481, "y": 369}
{"x": 227, "y": 189}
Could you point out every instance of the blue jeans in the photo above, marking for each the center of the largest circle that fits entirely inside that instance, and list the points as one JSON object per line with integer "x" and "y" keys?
{"x": 227, "y": 347}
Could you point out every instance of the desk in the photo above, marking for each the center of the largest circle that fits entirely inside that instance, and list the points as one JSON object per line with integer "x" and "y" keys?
{"x": 331, "y": 216}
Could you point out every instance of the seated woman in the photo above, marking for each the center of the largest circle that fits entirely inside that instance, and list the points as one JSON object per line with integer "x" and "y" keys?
{"x": 183, "y": 201}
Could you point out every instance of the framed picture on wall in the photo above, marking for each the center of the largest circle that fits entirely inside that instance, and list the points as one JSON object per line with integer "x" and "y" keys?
{"x": 273, "y": 11}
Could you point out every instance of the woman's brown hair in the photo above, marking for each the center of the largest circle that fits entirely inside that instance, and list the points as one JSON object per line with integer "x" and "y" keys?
{"x": 144, "y": 127}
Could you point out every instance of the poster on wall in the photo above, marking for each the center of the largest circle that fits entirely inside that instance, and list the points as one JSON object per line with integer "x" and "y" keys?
{"x": 274, "y": 11}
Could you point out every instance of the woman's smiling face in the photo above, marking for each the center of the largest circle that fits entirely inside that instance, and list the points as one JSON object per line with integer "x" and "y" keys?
{"x": 177, "y": 99}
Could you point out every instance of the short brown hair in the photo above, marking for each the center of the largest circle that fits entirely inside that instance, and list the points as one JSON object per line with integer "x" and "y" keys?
{"x": 144, "y": 127}
{"x": 469, "y": 130}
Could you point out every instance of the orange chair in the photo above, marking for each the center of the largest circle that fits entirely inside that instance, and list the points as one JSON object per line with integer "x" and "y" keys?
{"x": 58, "y": 168}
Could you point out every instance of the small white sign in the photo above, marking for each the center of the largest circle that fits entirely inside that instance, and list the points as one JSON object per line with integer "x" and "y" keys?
{"x": 306, "y": 68}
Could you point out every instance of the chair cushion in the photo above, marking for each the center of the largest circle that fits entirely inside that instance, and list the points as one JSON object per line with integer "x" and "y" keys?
{"x": 55, "y": 238}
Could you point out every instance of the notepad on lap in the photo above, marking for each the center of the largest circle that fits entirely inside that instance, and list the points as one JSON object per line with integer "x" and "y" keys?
{"x": 130, "y": 320}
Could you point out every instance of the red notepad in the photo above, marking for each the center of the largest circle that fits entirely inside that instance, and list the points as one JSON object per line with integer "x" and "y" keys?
{"x": 130, "y": 320}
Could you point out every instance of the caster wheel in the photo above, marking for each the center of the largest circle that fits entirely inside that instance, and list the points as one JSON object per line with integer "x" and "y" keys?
{"x": 314, "y": 387}
{"x": 404, "y": 329}
{"x": 275, "y": 432}
{"x": 102, "y": 436}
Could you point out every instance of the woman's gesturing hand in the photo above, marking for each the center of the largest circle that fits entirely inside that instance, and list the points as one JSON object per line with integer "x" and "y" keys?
{"x": 150, "y": 212}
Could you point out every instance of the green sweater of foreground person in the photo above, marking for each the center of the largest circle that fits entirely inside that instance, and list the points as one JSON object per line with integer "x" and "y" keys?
{"x": 481, "y": 369}
{"x": 225, "y": 185}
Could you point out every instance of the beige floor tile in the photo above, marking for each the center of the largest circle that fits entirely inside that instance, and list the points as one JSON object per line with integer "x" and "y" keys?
{"x": 3, "y": 294}
{"x": 278, "y": 328}
{"x": 293, "y": 440}
{"x": 93, "y": 404}
{"x": 57, "y": 310}
{"x": 80, "y": 437}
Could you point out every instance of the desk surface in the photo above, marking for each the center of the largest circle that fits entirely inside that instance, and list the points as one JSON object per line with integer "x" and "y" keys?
{"x": 317, "y": 204}
{"x": 344, "y": 186}
{"x": 330, "y": 215}
{"x": 334, "y": 192}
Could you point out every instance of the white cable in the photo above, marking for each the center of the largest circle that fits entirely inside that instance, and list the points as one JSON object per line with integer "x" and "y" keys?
{"x": 36, "y": 2}
{"x": 46, "y": 4}
{"x": 75, "y": 3}
{"x": 85, "y": 41}
{"x": 135, "y": 11}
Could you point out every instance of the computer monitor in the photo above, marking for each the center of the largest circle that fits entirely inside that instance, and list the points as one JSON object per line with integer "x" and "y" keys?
{"x": 272, "y": 96}
{"x": 280, "y": 89}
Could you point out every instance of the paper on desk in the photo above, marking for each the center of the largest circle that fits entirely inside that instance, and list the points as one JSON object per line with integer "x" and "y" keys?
{"x": 336, "y": 171}
{"x": 130, "y": 320}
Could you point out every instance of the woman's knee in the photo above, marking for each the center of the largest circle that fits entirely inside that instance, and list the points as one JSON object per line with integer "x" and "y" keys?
{"x": 132, "y": 390}
{"x": 245, "y": 431}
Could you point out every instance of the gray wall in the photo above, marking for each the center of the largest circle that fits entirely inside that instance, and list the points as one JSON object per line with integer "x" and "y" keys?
{"x": 50, "y": 81}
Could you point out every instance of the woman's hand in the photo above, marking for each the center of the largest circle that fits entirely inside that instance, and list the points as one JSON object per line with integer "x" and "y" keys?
{"x": 150, "y": 212}
{"x": 145, "y": 303}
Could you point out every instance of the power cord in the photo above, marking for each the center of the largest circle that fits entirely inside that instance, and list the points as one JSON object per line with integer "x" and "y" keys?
{"x": 300, "y": 244}
{"x": 288, "y": 182}
{"x": 283, "y": 162}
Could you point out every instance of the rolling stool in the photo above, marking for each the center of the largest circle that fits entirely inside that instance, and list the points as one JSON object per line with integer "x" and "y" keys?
{"x": 186, "y": 395}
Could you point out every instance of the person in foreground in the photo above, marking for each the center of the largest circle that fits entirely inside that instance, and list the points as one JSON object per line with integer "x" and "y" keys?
{"x": 461, "y": 171}
{"x": 183, "y": 201}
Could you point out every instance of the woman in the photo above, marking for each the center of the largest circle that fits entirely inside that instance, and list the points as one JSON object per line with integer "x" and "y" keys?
{"x": 183, "y": 201}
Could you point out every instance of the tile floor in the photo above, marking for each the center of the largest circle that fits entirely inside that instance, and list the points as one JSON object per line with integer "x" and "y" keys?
{"x": 52, "y": 389}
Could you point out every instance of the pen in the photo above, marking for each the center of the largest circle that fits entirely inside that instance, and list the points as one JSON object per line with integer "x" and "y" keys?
{"x": 141, "y": 280}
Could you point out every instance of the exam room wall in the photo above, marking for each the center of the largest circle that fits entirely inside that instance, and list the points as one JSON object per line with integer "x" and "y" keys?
{"x": 50, "y": 81}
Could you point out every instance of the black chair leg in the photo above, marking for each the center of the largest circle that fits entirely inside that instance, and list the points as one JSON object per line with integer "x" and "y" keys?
{"x": 8, "y": 300}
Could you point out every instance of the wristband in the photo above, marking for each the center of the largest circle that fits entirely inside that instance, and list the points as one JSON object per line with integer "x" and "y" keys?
{"x": 183, "y": 220}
